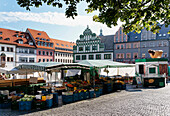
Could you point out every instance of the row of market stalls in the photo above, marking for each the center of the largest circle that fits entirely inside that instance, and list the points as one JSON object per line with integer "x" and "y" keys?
{"x": 79, "y": 81}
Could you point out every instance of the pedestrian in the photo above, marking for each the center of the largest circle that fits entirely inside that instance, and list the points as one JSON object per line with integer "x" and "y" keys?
{"x": 4, "y": 76}
{"x": 166, "y": 80}
{"x": 13, "y": 76}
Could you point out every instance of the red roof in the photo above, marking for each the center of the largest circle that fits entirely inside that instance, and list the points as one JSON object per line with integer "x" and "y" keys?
{"x": 41, "y": 36}
{"x": 63, "y": 44}
{"x": 8, "y": 36}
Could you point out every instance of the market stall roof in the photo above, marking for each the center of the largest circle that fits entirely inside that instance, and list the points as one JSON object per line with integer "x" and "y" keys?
{"x": 34, "y": 67}
{"x": 104, "y": 64}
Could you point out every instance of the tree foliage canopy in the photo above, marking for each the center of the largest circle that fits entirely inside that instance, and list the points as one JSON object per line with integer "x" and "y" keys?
{"x": 136, "y": 14}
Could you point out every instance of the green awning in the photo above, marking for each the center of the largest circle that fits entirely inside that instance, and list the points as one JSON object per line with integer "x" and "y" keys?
{"x": 104, "y": 64}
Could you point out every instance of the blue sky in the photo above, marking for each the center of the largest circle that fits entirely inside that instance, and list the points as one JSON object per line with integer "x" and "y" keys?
{"x": 51, "y": 20}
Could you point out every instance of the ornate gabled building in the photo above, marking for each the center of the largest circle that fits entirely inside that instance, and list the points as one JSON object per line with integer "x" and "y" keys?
{"x": 91, "y": 47}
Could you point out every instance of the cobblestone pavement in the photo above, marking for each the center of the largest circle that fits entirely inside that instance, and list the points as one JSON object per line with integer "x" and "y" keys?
{"x": 140, "y": 102}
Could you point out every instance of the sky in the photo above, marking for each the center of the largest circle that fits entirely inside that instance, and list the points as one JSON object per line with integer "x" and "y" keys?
{"x": 50, "y": 19}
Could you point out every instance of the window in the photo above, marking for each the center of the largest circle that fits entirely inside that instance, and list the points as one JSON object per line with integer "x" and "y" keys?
{"x": 51, "y": 44}
{"x": 160, "y": 34}
{"x": 121, "y": 46}
{"x": 165, "y": 55}
{"x": 12, "y": 59}
{"x": 22, "y": 36}
{"x": 7, "y": 39}
{"x": 152, "y": 70}
{"x": 98, "y": 56}
{"x": 107, "y": 56}
{"x": 7, "y": 49}
{"x": 164, "y": 34}
{"x": 87, "y": 48}
{"x": 71, "y": 46}
{"x": 91, "y": 57}
{"x": 51, "y": 60}
{"x": 165, "y": 43}
{"x": 47, "y": 53}
{"x": 135, "y": 55}
{"x": 51, "y": 53}
{"x": 39, "y": 52}
{"x": 31, "y": 59}
{"x": 25, "y": 50}
{"x": 43, "y": 60}
{"x": 31, "y": 51}
{"x": 78, "y": 57}
{"x": 20, "y": 41}
{"x": 152, "y": 44}
{"x": 43, "y": 52}
{"x": 48, "y": 40}
{"x": 118, "y": 47}
{"x": 38, "y": 43}
{"x": 62, "y": 44}
{"x": 11, "y": 49}
{"x": 38, "y": 38}
{"x": 94, "y": 48}
{"x": 83, "y": 57}
{"x": 58, "y": 60}
{"x": 80, "y": 48}
{"x": 39, "y": 33}
{"x": 47, "y": 60}
{"x": 16, "y": 35}
{"x": 57, "y": 44}
{"x": 66, "y": 45}
{"x": 42, "y": 44}
{"x": 0, "y": 38}
{"x": 128, "y": 55}
{"x": 23, "y": 59}
{"x": 0, "y": 32}
{"x": 143, "y": 55}
{"x": 136, "y": 37}
{"x": 45, "y": 44}
{"x": 39, "y": 60}
{"x": 2, "y": 48}
{"x": 121, "y": 55}
{"x": 61, "y": 60}
{"x": 8, "y": 59}
{"x": 31, "y": 43}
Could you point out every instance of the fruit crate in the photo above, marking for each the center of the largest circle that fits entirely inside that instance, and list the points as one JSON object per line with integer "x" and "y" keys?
{"x": 49, "y": 103}
{"x": 55, "y": 98}
{"x": 25, "y": 105}
{"x": 91, "y": 94}
{"x": 67, "y": 99}
{"x": 81, "y": 96}
{"x": 75, "y": 97}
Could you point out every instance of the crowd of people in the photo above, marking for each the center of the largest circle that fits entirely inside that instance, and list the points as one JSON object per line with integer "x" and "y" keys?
{"x": 4, "y": 76}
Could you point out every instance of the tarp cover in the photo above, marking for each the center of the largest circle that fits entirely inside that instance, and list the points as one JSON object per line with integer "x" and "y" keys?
{"x": 73, "y": 72}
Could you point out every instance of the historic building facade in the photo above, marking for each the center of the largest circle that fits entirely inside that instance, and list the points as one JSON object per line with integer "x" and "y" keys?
{"x": 63, "y": 51}
{"x": 138, "y": 44}
{"x": 44, "y": 44}
{"x": 91, "y": 47}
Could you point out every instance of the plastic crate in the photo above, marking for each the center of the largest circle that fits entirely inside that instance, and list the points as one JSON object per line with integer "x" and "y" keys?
{"x": 91, "y": 94}
{"x": 81, "y": 96}
{"x": 101, "y": 91}
{"x": 75, "y": 97}
{"x": 25, "y": 105}
{"x": 97, "y": 93}
{"x": 40, "y": 104}
{"x": 14, "y": 105}
{"x": 5, "y": 105}
{"x": 49, "y": 103}
{"x": 86, "y": 95}
{"x": 67, "y": 98}
{"x": 55, "y": 98}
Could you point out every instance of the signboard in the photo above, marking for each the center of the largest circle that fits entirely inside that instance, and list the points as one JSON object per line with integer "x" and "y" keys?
{"x": 33, "y": 80}
{"x": 138, "y": 79}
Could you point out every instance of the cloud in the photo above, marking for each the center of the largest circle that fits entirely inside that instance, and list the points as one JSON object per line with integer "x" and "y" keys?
{"x": 56, "y": 18}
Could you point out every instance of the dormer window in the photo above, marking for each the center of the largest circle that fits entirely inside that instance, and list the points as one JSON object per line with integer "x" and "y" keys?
{"x": 71, "y": 46}
{"x": 7, "y": 39}
{"x": 164, "y": 34}
{"x": 57, "y": 44}
{"x": 0, "y": 38}
{"x": 16, "y": 35}
{"x": 20, "y": 41}
{"x": 38, "y": 38}
{"x": 27, "y": 37}
{"x": 62, "y": 44}
{"x": 22, "y": 36}
{"x": 160, "y": 34}
{"x": 39, "y": 33}
{"x": 66, "y": 45}
{"x": 51, "y": 44}
{"x": 48, "y": 40}
{"x": 31, "y": 43}
{"x": 0, "y": 32}
{"x": 48, "y": 44}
